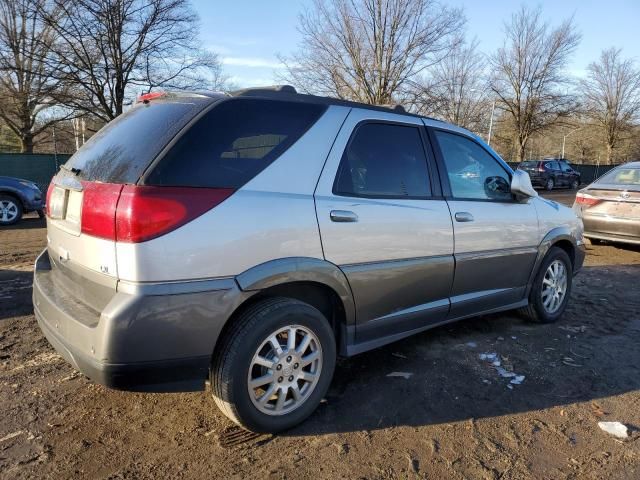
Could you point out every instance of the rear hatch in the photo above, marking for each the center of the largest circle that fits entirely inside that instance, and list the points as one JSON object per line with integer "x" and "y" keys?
{"x": 83, "y": 197}
{"x": 532, "y": 168}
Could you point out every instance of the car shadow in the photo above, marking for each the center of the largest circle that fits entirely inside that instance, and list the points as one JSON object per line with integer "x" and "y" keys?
{"x": 15, "y": 293}
{"x": 590, "y": 354}
{"x": 29, "y": 222}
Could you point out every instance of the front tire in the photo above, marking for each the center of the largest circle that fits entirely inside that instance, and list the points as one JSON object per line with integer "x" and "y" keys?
{"x": 274, "y": 366}
{"x": 551, "y": 288}
{"x": 10, "y": 210}
{"x": 575, "y": 184}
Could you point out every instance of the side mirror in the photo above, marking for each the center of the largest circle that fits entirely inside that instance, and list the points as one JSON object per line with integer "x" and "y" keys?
{"x": 521, "y": 186}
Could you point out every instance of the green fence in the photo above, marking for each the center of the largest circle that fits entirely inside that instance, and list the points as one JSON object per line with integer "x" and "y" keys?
{"x": 37, "y": 167}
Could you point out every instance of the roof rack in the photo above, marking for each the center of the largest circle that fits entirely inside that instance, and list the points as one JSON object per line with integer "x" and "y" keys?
{"x": 290, "y": 93}
{"x": 268, "y": 89}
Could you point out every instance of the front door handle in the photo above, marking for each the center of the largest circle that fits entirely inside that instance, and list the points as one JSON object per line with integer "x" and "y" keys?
{"x": 343, "y": 216}
{"x": 464, "y": 217}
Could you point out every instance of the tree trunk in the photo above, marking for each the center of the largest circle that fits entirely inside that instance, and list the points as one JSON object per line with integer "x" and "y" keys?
{"x": 26, "y": 143}
{"x": 521, "y": 151}
{"x": 609, "y": 154}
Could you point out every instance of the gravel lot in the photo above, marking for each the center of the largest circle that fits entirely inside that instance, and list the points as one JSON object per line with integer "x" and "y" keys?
{"x": 454, "y": 417}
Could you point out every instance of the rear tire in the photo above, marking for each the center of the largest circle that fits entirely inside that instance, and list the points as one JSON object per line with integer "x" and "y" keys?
{"x": 246, "y": 357}
{"x": 546, "y": 304}
{"x": 550, "y": 184}
{"x": 10, "y": 210}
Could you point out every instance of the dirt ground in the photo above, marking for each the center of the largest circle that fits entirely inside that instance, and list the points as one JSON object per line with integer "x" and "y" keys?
{"x": 455, "y": 417}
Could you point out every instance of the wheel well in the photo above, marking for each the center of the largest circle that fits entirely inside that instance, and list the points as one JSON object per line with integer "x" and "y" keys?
{"x": 568, "y": 247}
{"x": 320, "y": 296}
{"x": 13, "y": 195}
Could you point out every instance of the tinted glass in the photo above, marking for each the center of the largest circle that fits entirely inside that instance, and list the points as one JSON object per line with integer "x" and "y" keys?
{"x": 384, "y": 160}
{"x": 233, "y": 142}
{"x": 529, "y": 164}
{"x": 565, "y": 167}
{"x": 473, "y": 173}
{"x": 621, "y": 176}
{"x": 121, "y": 150}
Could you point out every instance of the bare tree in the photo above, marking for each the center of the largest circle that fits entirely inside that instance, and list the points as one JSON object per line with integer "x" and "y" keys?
{"x": 529, "y": 76}
{"x": 111, "y": 50}
{"x": 367, "y": 50}
{"x": 27, "y": 83}
{"x": 455, "y": 90}
{"x": 612, "y": 95}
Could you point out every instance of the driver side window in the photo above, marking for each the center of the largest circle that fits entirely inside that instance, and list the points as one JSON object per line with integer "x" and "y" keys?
{"x": 473, "y": 173}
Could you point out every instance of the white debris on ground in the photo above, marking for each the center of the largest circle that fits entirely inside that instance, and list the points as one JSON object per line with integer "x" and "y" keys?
{"x": 616, "y": 429}
{"x": 493, "y": 359}
{"x": 405, "y": 375}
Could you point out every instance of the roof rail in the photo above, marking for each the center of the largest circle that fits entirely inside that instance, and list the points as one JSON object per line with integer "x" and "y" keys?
{"x": 393, "y": 106}
{"x": 290, "y": 93}
{"x": 268, "y": 89}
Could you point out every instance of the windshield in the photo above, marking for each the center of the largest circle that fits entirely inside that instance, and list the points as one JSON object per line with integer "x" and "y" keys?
{"x": 621, "y": 176}
{"x": 123, "y": 148}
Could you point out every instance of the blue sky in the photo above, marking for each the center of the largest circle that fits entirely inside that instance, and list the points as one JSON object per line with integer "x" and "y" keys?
{"x": 249, "y": 34}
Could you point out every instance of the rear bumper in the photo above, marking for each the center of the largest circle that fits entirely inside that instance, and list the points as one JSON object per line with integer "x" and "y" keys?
{"x": 615, "y": 229}
{"x": 153, "y": 337}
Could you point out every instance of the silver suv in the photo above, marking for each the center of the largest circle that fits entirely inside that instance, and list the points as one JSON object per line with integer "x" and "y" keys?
{"x": 248, "y": 239}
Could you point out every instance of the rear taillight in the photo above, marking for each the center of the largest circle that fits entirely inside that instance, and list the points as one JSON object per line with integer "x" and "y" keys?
{"x": 99, "y": 202}
{"x": 541, "y": 169}
{"x": 130, "y": 213}
{"x": 586, "y": 200}
{"x": 47, "y": 202}
{"x": 146, "y": 212}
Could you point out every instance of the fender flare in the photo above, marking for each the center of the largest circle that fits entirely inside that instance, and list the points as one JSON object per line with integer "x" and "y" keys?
{"x": 552, "y": 237}
{"x": 300, "y": 269}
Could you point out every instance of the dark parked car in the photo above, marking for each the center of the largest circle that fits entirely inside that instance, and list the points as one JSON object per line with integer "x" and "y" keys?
{"x": 550, "y": 173}
{"x": 17, "y": 197}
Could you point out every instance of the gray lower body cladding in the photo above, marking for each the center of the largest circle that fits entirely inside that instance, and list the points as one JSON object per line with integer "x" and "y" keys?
{"x": 157, "y": 337}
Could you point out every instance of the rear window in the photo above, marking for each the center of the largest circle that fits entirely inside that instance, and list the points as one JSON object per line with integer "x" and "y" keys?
{"x": 621, "y": 176}
{"x": 528, "y": 164}
{"x": 121, "y": 150}
{"x": 233, "y": 142}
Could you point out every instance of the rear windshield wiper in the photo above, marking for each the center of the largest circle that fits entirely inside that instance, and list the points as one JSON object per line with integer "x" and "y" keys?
{"x": 75, "y": 171}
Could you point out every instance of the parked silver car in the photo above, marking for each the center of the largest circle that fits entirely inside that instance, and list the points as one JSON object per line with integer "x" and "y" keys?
{"x": 610, "y": 206}
{"x": 250, "y": 238}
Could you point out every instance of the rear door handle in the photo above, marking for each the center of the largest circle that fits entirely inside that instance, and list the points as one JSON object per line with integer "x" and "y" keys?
{"x": 343, "y": 216}
{"x": 464, "y": 217}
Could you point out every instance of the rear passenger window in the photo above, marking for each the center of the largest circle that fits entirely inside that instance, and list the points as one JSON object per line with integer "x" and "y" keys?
{"x": 383, "y": 161}
{"x": 473, "y": 173}
{"x": 234, "y": 142}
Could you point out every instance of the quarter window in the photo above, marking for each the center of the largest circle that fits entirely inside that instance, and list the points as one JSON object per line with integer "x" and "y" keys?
{"x": 384, "y": 161}
{"x": 234, "y": 142}
{"x": 473, "y": 173}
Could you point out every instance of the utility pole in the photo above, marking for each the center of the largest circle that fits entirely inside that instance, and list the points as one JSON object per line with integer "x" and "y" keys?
{"x": 493, "y": 108}
{"x": 564, "y": 138}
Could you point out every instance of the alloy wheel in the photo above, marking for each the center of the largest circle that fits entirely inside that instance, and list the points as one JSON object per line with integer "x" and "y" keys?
{"x": 554, "y": 286}
{"x": 8, "y": 211}
{"x": 285, "y": 370}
